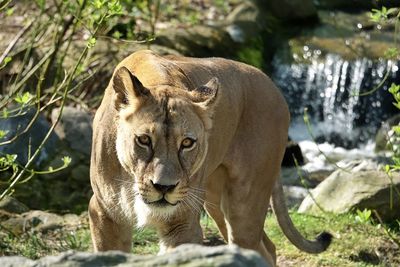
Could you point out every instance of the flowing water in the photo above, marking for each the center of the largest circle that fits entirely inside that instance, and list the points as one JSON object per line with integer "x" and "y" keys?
{"x": 331, "y": 89}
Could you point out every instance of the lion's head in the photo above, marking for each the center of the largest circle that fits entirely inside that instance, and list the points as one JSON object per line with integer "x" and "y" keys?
{"x": 162, "y": 142}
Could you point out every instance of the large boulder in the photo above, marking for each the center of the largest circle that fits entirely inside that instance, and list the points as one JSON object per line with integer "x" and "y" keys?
{"x": 199, "y": 41}
{"x": 40, "y": 221}
{"x": 185, "y": 255}
{"x": 75, "y": 128}
{"x": 27, "y": 142}
{"x": 345, "y": 191}
{"x": 292, "y": 10}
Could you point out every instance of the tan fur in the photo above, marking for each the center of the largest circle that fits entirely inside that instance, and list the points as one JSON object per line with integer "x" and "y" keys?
{"x": 239, "y": 120}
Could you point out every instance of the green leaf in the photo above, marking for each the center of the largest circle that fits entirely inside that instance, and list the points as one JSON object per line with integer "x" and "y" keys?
{"x": 10, "y": 11}
{"x": 397, "y": 105}
{"x": 116, "y": 35}
{"x": 396, "y": 129}
{"x": 394, "y": 88}
{"x": 6, "y": 60}
{"x": 3, "y": 133}
{"x": 98, "y": 3}
{"x": 387, "y": 168}
{"x": 391, "y": 53}
{"x": 114, "y": 8}
{"x": 91, "y": 42}
{"x": 363, "y": 216}
{"x": 67, "y": 160}
{"x": 23, "y": 99}
{"x": 5, "y": 113}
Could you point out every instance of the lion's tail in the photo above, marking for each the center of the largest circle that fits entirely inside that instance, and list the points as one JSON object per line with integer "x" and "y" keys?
{"x": 322, "y": 241}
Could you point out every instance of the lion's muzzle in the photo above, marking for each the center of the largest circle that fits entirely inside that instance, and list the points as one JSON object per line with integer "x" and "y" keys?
{"x": 164, "y": 188}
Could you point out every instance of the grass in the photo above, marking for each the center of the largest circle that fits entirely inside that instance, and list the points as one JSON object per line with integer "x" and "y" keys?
{"x": 354, "y": 243}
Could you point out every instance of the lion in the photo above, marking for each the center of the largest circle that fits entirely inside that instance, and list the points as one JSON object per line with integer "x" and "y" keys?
{"x": 174, "y": 135}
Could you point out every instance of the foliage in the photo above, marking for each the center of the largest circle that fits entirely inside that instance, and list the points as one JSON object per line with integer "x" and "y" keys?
{"x": 363, "y": 216}
{"x": 57, "y": 24}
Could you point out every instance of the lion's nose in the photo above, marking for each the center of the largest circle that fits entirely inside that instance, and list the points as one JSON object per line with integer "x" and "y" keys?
{"x": 164, "y": 188}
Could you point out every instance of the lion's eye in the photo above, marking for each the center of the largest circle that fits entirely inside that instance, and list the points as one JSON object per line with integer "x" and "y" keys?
{"x": 187, "y": 143}
{"x": 143, "y": 140}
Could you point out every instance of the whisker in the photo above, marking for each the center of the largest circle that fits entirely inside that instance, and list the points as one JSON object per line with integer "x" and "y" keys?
{"x": 195, "y": 204}
{"x": 124, "y": 181}
{"x": 197, "y": 189}
{"x": 187, "y": 206}
{"x": 193, "y": 207}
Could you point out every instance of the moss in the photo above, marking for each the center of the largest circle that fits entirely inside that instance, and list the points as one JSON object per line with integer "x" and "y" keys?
{"x": 252, "y": 52}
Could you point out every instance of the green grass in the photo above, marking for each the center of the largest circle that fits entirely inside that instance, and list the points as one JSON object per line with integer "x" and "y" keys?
{"x": 354, "y": 243}
{"x": 145, "y": 241}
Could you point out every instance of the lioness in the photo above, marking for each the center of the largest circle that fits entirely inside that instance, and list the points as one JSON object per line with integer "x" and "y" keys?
{"x": 174, "y": 134}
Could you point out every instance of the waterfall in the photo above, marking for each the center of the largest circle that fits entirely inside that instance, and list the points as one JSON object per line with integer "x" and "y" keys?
{"x": 330, "y": 89}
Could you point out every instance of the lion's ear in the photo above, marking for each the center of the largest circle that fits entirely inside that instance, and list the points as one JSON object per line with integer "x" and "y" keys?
{"x": 128, "y": 89}
{"x": 206, "y": 95}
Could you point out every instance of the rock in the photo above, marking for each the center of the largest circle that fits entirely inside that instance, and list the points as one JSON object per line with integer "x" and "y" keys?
{"x": 184, "y": 255}
{"x": 33, "y": 137}
{"x": 75, "y": 128}
{"x": 80, "y": 173}
{"x": 72, "y": 219}
{"x": 355, "y": 4}
{"x": 12, "y": 205}
{"x": 292, "y": 152}
{"x": 297, "y": 177}
{"x": 39, "y": 221}
{"x": 345, "y": 191}
{"x": 244, "y": 22}
{"x": 43, "y": 221}
{"x": 292, "y": 10}
{"x": 15, "y": 225}
{"x": 385, "y": 132}
{"x": 199, "y": 41}
{"x": 294, "y": 195}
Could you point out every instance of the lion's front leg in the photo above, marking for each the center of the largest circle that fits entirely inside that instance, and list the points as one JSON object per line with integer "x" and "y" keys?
{"x": 178, "y": 231}
{"x": 106, "y": 233}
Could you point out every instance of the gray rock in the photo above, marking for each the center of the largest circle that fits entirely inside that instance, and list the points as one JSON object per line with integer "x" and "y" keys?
{"x": 81, "y": 173}
{"x": 200, "y": 41}
{"x": 33, "y": 137}
{"x": 244, "y": 22}
{"x": 345, "y": 191}
{"x": 12, "y": 205}
{"x": 16, "y": 261}
{"x": 42, "y": 220}
{"x": 39, "y": 221}
{"x": 290, "y": 10}
{"x": 75, "y": 128}
{"x": 185, "y": 255}
{"x": 297, "y": 177}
